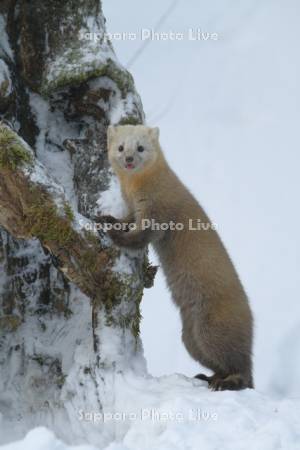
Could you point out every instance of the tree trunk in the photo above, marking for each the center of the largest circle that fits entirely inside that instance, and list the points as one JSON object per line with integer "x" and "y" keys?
{"x": 69, "y": 302}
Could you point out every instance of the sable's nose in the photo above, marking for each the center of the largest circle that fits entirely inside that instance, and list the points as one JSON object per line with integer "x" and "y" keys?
{"x": 129, "y": 159}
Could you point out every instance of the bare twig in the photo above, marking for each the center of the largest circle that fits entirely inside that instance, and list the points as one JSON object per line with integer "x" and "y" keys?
{"x": 159, "y": 23}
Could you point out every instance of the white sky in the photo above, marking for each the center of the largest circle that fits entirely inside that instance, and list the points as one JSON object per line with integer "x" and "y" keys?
{"x": 228, "y": 111}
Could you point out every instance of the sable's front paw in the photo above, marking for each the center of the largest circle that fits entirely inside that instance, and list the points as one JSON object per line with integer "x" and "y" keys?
{"x": 116, "y": 236}
{"x": 109, "y": 220}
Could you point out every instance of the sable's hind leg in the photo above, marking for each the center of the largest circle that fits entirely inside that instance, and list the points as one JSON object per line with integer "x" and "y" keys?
{"x": 194, "y": 350}
{"x": 231, "y": 365}
{"x": 203, "y": 377}
{"x": 228, "y": 347}
{"x": 234, "y": 382}
{"x": 211, "y": 380}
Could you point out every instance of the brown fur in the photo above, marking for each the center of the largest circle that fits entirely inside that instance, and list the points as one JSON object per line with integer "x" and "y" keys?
{"x": 216, "y": 318}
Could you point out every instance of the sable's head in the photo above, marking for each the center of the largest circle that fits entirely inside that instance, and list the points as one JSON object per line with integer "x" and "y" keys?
{"x": 132, "y": 148}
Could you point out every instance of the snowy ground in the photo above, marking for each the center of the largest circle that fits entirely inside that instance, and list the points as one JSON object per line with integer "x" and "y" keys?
{"x": 176, "y": 413}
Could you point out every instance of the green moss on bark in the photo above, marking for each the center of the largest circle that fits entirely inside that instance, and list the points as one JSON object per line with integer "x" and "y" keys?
{"x": 80, "y": 74}
{"x": 43, "y": 221}
{"x": 118, "y": 288}
{"x": 13, "y": 154}
{"x": 68, "y": 212}
{"x": 10, "y": 323}
{"x": 129, "y": 120}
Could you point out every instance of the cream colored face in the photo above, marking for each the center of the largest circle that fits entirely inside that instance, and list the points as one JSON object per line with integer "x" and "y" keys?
{"x": 132, "y": 147}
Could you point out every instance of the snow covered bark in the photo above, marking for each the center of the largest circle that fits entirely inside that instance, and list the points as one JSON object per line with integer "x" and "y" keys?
{"x": 69, "y": 302}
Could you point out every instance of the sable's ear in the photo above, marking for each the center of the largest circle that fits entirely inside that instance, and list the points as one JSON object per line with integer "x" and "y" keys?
{"x": 111, "y": 131}
{"x": 155, "y": 133}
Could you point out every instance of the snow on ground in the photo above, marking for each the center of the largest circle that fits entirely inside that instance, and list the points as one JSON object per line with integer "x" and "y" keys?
{"x": 42, "y": 439}
{"x": 177, "y": 413}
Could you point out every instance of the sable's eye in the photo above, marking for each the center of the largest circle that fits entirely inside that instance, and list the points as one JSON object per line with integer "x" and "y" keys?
{"x": 121, "y": 148}
{"x": 140, "y": 149}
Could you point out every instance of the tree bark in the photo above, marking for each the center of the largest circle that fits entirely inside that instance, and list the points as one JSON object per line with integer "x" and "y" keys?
{"x": 65, "y": 293}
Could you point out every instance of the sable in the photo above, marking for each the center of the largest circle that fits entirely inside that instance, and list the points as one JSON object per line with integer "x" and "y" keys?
{"x": 216, "y": 318}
